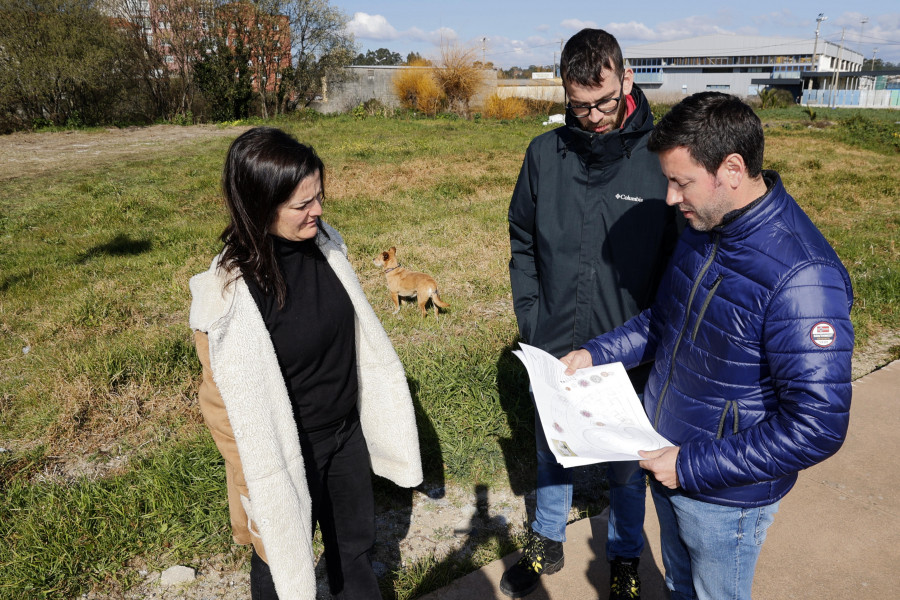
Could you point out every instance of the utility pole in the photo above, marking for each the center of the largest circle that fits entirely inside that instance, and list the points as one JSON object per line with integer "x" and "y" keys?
{"x": 862, "y": 25}
{"x": 483, "y": 55}
{"x": 560, "y": 55}
{"x": 874, "y": 52}
{"x": 837, "y": 70}
{"x": 819, "y": 20}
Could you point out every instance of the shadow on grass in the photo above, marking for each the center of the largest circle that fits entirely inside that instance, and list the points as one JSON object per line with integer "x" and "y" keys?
{"x": 518, "y": 449}
{"x": 483, "y": 533}
{"x": 393, "y": 504}
{"x": 121, "y": 245}
{"x": 590, "y": 493}
{"x": 13, "y": 280}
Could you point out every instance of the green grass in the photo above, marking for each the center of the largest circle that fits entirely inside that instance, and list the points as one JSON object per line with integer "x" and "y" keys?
{"x": 94, "y": 265}
{"x": 59, "y": 539}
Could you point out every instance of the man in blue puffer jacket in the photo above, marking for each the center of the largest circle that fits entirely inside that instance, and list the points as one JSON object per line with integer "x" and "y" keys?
{"x": 752, "y": 341}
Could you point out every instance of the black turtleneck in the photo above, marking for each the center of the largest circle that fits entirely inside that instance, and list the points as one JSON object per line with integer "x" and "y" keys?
{"x": 313, "y": 335}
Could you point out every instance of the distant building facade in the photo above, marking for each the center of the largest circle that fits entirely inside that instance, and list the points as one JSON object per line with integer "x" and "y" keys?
{"x": 179, "y": 29}
{"x": 741, "y": 65}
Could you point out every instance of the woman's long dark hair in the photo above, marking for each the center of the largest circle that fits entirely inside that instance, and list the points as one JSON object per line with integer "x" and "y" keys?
{"x": 263, "y": 168}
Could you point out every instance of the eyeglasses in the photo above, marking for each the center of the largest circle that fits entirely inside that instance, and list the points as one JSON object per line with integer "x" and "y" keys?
{"x": 605, "y": 106}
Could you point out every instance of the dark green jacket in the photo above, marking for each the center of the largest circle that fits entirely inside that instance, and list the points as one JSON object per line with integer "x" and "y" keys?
{"x": 589, "y": 230}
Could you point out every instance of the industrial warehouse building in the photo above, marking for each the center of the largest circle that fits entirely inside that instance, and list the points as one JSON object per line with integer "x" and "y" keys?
{"x": 743, "y": 65}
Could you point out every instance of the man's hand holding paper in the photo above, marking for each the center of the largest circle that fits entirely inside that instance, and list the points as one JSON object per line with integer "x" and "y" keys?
{"x": 577, "y": 359}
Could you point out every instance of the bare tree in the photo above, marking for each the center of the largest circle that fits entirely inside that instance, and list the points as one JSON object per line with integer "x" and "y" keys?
{"x": 178, "y": 29}
{"x": 133, "y": 19}
{"x": 321, "y": 46}
{"x": 268, "y": 37}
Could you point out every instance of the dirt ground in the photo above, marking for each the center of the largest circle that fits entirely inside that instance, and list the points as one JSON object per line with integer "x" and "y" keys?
{"x": 24, "y": 154}
{"x": 442, "y": 521}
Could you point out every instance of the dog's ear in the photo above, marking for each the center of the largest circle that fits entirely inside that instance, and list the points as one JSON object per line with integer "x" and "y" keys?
{"x": 393, "y": 249}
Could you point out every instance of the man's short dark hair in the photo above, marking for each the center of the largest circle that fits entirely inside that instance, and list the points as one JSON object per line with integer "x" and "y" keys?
{"x": 712, "y": 125}
{"x": 586, "y": 54}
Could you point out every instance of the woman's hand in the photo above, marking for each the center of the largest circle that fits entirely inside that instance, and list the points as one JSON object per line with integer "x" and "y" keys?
{"x": 577, "y": 359}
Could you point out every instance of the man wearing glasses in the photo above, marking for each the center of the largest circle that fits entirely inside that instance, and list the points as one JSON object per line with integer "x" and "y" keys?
{"x": 590, "y": 234}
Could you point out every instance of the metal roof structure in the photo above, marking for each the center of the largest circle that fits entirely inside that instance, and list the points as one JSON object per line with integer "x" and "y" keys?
{"x": 739, "y": 45}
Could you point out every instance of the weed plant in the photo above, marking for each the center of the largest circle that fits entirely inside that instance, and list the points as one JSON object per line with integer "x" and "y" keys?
{"x": 97, "y": 360}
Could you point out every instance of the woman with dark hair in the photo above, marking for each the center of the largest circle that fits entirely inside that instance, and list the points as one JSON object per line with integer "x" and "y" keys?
{"x": 302, "y": 390}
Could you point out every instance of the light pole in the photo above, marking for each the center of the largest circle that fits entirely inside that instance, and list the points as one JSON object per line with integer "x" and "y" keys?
{"x": 837, "y": 71}
{"x": 862, "y": 26}
{"x": 874, "y": 77}
{"x": 819, "y": 20}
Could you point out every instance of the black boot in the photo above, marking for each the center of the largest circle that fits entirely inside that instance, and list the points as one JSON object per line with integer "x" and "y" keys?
{"x": 624, "y": 583}
{"x": 541, "y": 556}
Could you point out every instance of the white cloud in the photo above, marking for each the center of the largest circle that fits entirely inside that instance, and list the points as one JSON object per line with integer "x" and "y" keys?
{"x": 631, "y": 31}
{"x": 371, "y": 27}
{"x": 776, "y": 19}
{"x": 505, "y": 52}
{"x": 577, "y": 24}
{"x": 441, "y": 35}
{"x": 689, "y": 27}
{"x": 883, "y": 28}
{"x": 376, "y": 27}
{"x": 666, "y": 31}
{"x": 879, "y": 32}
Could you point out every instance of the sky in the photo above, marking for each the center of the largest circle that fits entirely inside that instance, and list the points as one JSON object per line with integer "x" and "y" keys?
{"x": 524, "y": 32}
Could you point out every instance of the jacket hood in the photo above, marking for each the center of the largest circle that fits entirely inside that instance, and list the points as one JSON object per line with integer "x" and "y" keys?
{"x": 609, "y": 147}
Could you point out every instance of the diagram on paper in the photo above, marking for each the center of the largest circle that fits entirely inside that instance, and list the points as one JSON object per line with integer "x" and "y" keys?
{"x": 592, "y": 416}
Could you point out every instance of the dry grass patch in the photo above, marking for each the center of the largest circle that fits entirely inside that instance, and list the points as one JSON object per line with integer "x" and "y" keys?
{"x": 358, "y": 179}
{"x": 511, "y": 107}
{"x": 135, "y": 414}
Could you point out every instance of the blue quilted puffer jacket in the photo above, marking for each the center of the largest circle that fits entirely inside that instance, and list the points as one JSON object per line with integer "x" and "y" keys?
{"x": 752, "y": 340}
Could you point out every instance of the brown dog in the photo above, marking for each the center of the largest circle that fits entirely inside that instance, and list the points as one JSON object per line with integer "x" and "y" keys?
{"x": 409, "y": 284}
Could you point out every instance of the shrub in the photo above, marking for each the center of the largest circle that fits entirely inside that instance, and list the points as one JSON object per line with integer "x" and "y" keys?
{"x": 497, "y": 107}
{"x": 809, "y": 113}
{"x": 865, "y": 132}
{"x": 458, "y": 77}
{"x": 371, "y": 108}
{"x": 772, "y": 98}
{"x": 417, "y": 89}
{"x": 544, "y": 108}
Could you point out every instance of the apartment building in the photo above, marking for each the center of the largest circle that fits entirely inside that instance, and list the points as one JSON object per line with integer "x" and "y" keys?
{"x": 181, "y": 29}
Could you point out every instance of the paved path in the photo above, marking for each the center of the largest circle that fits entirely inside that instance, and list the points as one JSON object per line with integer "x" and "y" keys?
{"x": 836, "y": 535}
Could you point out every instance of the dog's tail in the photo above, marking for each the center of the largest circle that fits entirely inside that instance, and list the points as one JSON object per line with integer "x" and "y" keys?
{"x": 436, "y": 300}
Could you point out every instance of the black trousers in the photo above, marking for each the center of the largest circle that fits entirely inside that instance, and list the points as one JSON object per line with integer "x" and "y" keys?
{"x": 340, "y": 486}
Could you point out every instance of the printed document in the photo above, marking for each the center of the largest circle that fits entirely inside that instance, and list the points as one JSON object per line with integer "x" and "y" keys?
{"x": 591, "y": 416}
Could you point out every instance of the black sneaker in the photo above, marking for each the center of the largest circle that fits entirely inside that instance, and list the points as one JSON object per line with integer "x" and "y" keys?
{"x": 624, "y": 583}
{"x": 541, "y": 556}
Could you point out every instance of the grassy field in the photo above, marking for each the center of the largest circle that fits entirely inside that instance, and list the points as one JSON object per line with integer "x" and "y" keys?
{"x": 97, "y": 364}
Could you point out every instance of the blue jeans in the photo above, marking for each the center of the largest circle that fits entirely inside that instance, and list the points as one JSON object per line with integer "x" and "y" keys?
{"x": 627, "y": 492}
{"x": 709, "y": 551}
